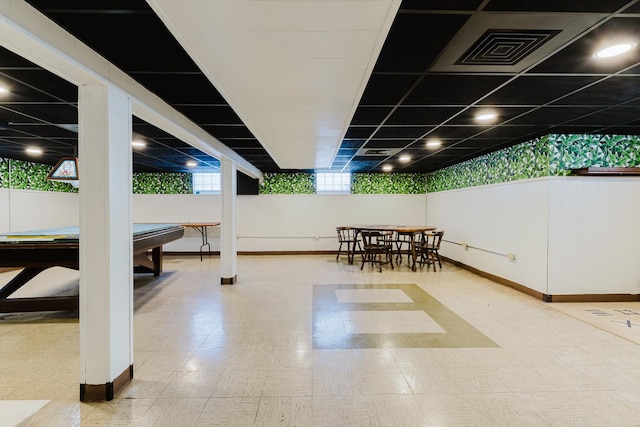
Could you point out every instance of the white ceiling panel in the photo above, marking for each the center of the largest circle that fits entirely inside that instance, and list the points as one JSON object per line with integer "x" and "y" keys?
{"x": 288, "y": 68}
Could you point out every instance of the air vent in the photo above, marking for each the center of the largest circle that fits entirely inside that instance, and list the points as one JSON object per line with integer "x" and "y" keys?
{"x": 377, "y": 152}
{"x": 505, "y": 47}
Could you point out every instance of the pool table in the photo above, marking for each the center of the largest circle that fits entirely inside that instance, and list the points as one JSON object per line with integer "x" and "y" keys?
{"x": 37, "y": 250}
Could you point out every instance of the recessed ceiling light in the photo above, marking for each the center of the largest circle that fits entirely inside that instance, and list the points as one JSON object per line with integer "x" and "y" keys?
{"x": 3, "y": 90}
{"x": 34, "y": 150}
{"x": 485, "y": 117}
{"x": 433, "y": 143}
{"x": 405, "y": 158}
{"x": 615, "y": 50}
{"x": 138, "y": 144}
{"x": 387, "y": 168}
{"x": 192, "y": 164}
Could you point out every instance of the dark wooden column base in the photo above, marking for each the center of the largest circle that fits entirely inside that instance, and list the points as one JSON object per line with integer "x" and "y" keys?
{"x": 229, "y": 280}
{"x": 103, "y": 392}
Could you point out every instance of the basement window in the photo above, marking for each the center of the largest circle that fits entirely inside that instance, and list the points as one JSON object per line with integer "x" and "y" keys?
{"x": 333, "y": 183}
{"x": 206, "y": 183}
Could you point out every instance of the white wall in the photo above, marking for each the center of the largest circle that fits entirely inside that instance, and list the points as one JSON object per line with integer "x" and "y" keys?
{"x": 31, "y": 210}
{"x": 264, "y": 223}
{"x": 594, "y": 233}
{"x": 500, "y": 219}
{"x": 570, "y": 235}
{"x": 279, "y": 222}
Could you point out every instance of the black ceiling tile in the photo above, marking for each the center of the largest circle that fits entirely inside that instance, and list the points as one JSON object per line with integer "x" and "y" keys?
{"x": 440, "y": 5}
{"x": 633, "y": 9}
{"x": 408, "y": 115}
{"x": 573, "y": 129}
{"x": 388, "y": 143}
{"x": 228, "y": 131}
{"x": 181, "y": 89}
{"x": 368, "y": 159}
{"x": 438, "y": 89}
{"x": 457, "y": 131}
{"x": 546, "y": 116}
{"x": 347, "y": 152}
{"x": 352, "y": 143}
{"x": 387, "y": 89}
{"x": 611, "y": 91}
{"x": 240, "y": 143}
{"x": 535, "y": 90}
{"x": 504, "y": 114}
{"x": 210, "y": 114}
{"x": 512, "y": 131}
{"x": 44, "y": 131}
{"x": 358, "y": 132}
{"x": 401, "y": 132}
{"x": 415, "y": 40}
{"x": 632, "y": 70}
{"x": 366, "y": 115}
{"x": 609, "y": 117}
{"x": 41, "y": 112}
{"x": 578, "y": 57}
{"x": 133, "y": 41}
{"x": 9, "y": 60}
{"x": 621, "y": 130}
{"x": 38, "y": 85}
{"x": 556, "y": 5}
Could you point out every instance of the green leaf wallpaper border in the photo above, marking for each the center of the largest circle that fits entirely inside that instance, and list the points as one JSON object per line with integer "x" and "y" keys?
{"x": 162, "y": 183}
{"x": 4, "y": 173}
{"x": 549, "y": 155}
{"x": 288, "y": 183}
{"x": 22, "y": 175}
{"x": 388, "y": 183}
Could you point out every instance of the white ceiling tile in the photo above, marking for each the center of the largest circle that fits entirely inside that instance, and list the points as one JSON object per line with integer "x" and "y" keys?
{"x": 291, "y": 70}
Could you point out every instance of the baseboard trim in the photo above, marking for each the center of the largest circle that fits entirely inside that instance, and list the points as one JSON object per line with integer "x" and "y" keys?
{"x": 546, "y": 297}
{"x": 228, "y": 280}
{"x": 217, "y": 253}
{"x": 106, "y": 392}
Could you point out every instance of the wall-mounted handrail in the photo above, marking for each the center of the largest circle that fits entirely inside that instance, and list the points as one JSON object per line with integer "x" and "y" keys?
{"x": 466, "y": 245}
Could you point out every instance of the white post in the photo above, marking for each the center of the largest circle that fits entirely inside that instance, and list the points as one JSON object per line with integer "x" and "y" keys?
{"x": 228, "y": 247}
{"x": 106, "y": 249}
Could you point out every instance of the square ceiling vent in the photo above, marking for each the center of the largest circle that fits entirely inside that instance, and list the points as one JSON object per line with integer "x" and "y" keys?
{"x": 505, "y": 47}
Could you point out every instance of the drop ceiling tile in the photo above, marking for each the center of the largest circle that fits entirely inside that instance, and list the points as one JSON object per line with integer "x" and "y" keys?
{"x": 402, "y": 131}
{"x": 388, "y": 143}
{"x": 504, "y": 114}
{"x": 612, "y": 91}
{"x": 578, "y": 57}
{"x": 556, "y": 6}
{"x": 357, "y": 132}
{"x": 366, "y": 115}
{"x": 387, "y": 89}
{"x": 404, "y": 49}
{"x": 547, "y": 89}
{"x": 453, "y": 90}
{"x": 408, "y": 115}
{"x": 547, "y": 116}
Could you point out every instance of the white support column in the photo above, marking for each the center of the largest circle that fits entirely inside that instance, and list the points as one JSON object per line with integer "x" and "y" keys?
{"x": 228, "y": 246}
{"x": 106, "y": 250}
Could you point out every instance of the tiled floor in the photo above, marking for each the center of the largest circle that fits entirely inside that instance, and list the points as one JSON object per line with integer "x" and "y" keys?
{"x": 306, "y": 341}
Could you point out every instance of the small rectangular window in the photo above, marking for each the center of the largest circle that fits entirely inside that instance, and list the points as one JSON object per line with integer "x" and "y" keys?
{"x": 333, "y": 182}
{"x": 206, "y": 183}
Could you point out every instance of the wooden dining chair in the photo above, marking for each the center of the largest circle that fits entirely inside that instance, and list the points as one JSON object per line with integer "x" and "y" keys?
{"x": 348, "y": 236}
{"x": 428, "y": 249}
{"x": 377, "y": 248}
{"x": 402, "y": 245}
